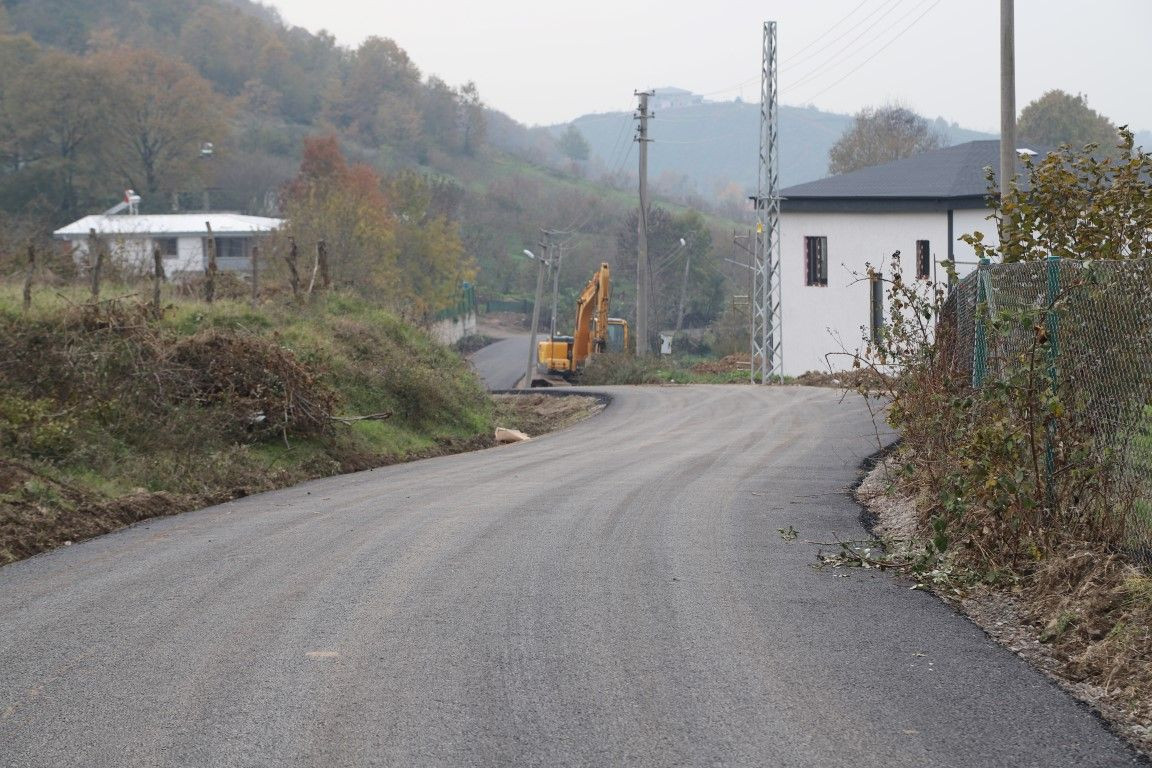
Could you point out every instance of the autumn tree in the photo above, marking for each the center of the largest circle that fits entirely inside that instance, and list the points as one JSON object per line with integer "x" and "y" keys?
{"x": 162, "y": 112}
{"x": 393, "y": 240}
{"x": 345, "y": 207}
{"x": 1077, "y": 204}
{"x": 881, "y": 135}
{"x": 1059, "y": 118}
{"x": 431, "y": 257}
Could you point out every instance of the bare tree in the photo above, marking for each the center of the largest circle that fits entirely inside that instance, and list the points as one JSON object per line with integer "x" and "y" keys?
{"x": 881, "y": 135}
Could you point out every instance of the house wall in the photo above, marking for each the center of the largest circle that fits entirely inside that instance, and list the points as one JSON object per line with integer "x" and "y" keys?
{"x": 966, "y": 222}
{"x": 135, "y": 253}
{"x": 835, "y": 319}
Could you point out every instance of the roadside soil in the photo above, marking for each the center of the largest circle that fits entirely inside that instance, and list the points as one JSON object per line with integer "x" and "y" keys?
{"x": 501, "y": 324}
{"x": 1084, "y": 619}
{"x": 39, "y": 513}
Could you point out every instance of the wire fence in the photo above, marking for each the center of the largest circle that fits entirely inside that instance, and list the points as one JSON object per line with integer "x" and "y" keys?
{"x": 1092, "y": 321}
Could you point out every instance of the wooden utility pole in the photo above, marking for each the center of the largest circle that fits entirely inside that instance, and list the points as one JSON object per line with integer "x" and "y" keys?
{"x": 1007, "y": 105}
{"x": 643, "y": 284}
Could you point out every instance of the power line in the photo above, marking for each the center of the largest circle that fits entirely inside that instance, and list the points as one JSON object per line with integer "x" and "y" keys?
{"x": 846, "y": 52}
{"x": 797, "y": 57}
{"x": 797, "y": 53}
{"x": 876, "y": 53}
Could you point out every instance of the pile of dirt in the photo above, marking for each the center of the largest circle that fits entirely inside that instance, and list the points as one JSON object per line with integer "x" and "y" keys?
{"x": 1083, "y": 616}
{"x": 726, "y": 364}
{"x": 536, "y": 414}
{"x": 840, "y": 379}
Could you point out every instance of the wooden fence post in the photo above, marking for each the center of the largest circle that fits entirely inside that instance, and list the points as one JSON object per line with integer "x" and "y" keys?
{"x": 96, "y": 254}
{"x": 157, "y": 276}
{"x": 29, "y": 276}
{"x": 255, "y": 275}
{"x": 322, "y": 262}
{"x": 210, "y": 269}
{"x": 293, "y": 273}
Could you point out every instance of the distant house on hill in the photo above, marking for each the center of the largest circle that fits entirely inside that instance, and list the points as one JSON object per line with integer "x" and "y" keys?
{"x": 181, "y": 237}
{"x": 832, "y": 228}
{"x": 671, "y": 98}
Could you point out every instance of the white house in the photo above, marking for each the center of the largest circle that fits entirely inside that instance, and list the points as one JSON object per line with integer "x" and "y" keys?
{"x": 181, "y": 238}
{"x": 832, "y": 228}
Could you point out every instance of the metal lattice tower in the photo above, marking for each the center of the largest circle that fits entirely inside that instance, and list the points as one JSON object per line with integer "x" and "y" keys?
{"x": 766, "y": 321}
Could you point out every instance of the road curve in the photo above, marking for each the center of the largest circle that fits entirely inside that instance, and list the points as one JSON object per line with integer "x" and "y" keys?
{"x": 502, "y": 363}
{"x": 613, "y": 594}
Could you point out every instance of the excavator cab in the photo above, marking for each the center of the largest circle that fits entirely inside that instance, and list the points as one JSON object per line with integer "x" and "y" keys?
{"x": 616, "y": 337}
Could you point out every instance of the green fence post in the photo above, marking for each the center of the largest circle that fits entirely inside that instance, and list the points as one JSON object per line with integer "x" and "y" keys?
{"x": 1053, "y": 325}
{"x": 980, "y": 344}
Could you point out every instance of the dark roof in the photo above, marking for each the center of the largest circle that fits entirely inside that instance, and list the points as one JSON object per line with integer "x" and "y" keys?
{"x": 952, "y": 177}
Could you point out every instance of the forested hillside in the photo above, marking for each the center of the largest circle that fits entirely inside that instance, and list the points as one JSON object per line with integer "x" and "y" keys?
{"x": 209, "y": 103}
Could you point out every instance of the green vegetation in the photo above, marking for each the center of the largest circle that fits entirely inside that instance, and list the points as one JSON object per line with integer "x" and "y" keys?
{"x": 1030, "y": 473}
{"x": 112, "y": 412}
{"x": 1059, "y": 118}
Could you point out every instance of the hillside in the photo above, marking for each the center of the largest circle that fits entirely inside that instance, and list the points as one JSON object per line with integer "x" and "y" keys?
{"x": 129, "y": 94}
{"x": 710, "y": 146}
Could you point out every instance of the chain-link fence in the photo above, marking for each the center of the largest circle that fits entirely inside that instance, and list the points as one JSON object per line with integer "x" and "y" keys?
{"x": 1087, "y": 327}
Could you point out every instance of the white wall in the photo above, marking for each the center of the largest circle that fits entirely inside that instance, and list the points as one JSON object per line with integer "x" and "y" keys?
{"x": 450, "y": 330}
{"x": 966, "y": 222}
{"x": 833, "y": 319}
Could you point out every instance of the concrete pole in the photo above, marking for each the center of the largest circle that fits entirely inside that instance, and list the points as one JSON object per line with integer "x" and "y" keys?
{"x": 642, "y": 268}
{"x": 529, "y": 374}
{"x": 554, "y": 264}
{"x": 1007, "y": 103}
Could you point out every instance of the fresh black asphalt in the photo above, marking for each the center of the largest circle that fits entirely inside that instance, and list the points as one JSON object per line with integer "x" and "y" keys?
{"x": 614, "y": 594}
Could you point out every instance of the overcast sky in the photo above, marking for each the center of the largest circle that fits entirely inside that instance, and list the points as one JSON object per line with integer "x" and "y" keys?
{"x": 545, "y": 62}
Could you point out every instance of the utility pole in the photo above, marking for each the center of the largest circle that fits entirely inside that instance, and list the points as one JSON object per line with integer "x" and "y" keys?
{"x": 1007, "y": 104}
{"x": 554, "y": 265}
{"x": 643, "y": 283}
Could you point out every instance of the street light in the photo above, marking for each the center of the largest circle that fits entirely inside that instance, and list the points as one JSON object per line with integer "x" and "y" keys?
{"x": 535, "y": 319}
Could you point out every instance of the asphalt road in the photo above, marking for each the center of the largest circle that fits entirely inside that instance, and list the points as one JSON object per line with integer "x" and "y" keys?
{"x": 501, "y": 364}
{"x": 613, "y": 594}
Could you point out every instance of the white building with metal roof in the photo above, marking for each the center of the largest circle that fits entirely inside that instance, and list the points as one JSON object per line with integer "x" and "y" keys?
{"x": 181, "y": 238}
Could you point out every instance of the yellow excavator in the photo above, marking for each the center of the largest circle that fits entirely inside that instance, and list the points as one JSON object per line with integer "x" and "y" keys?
{"x": 595, "y": 332}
